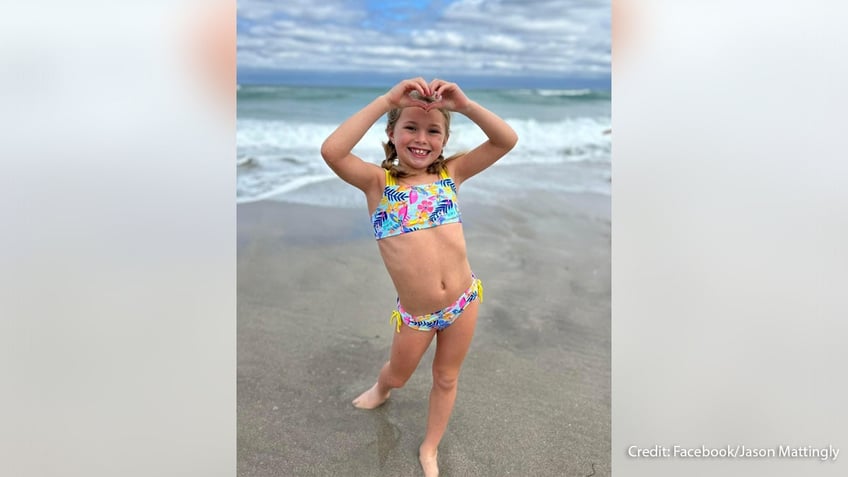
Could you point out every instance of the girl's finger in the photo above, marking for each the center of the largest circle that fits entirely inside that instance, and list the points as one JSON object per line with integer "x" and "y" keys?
{"x": 421, "y": 86}
{"x": 436, "y": 86}
{"x": 408, "y": 85}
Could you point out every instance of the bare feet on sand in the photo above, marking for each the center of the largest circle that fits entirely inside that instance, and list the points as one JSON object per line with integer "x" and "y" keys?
{"x": 371, "y": 398}
{"x": 429, "y": 462}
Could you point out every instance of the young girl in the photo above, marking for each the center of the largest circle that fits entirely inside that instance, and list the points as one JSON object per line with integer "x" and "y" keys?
{"x": 412, "y": 199}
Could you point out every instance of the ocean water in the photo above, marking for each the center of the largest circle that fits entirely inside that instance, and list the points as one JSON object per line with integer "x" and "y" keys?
{"x": 564, "y": 143}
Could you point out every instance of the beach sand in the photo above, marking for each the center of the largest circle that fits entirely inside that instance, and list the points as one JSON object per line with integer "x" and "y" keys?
{"x": 314, "y": 301}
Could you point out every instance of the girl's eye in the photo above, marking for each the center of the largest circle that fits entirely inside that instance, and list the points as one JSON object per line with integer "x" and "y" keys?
{"x": 434, "y": 131}
{"x": 409, "y": 128}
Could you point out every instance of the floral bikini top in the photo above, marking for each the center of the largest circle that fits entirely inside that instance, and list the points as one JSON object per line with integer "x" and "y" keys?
{"x": 404, "y": 209}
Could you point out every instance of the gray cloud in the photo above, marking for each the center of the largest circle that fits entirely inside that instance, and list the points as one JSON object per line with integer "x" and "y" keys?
{"x": 563, "y": 38}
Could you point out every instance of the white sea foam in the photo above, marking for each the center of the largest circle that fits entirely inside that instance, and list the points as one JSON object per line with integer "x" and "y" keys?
{"x": 562, "y": 92}
{"x": 300, "y": 141}
{"x": 281, "y": 189}
{"x": 280, "y": 131}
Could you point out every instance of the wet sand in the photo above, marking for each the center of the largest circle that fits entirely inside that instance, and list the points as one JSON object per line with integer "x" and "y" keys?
{"x": 313, "y": 307}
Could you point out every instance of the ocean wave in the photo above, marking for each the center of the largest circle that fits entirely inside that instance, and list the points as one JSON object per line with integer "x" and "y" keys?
{"x": 563, "y": 92}
{"x": 246, "y": 193}
{"x": 570, "y": 140}
{"x": 299, "y": 94}
{"x": 296, "y": 138}
{"x": 280, "y": 129}
{"x": 544, "y": 97}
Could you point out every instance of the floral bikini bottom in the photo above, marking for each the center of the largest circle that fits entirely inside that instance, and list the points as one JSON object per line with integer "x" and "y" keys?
{"x": 439, "y": 320}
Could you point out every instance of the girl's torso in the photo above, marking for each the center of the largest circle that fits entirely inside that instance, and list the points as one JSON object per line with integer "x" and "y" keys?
{"x": 422, "y": 245}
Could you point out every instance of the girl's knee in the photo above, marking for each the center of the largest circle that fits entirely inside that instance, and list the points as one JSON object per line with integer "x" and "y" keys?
{"x": 445, "y": 379}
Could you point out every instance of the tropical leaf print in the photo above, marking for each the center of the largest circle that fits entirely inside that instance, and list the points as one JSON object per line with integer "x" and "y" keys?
{"x": 395, "y": 195}
{"x": 450, "y": 183}
{"x": 445, "y": 206}
{"x": 379, "y": 219}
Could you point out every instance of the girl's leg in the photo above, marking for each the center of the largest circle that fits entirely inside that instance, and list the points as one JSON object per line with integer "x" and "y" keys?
{"x": 451, "y": 346}
{"x": 408, "y": 347}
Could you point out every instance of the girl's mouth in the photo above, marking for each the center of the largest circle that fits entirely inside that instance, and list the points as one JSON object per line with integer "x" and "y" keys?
{"x": 419, "y": 152}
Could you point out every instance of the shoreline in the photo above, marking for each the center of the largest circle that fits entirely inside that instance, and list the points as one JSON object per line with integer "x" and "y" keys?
{"x": 498, "y": 185}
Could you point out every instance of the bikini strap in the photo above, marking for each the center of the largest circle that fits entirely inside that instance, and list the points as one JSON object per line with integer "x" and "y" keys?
{"x": 390, "y": 179}
{"x": 443, "y": 173}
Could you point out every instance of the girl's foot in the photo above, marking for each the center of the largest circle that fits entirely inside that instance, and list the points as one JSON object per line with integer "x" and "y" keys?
{"x": 429, "y": 462}
{"x": 371, "y": 398}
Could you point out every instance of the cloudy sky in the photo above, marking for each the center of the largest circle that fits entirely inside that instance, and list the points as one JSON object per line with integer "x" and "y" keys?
{"x": 494, "y": 43}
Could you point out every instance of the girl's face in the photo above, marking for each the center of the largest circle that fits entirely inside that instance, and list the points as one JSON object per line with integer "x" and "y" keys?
{"x": 419, "y": 137}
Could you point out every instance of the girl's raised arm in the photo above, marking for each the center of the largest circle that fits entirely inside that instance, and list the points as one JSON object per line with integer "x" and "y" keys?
{"x": 336, "y": 149}
{"x": 501, "y": 137}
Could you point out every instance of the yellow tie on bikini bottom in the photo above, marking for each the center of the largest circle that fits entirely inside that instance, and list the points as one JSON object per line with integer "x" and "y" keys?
{"x": 396, "y": 317}
{"x": 480, "y": 290}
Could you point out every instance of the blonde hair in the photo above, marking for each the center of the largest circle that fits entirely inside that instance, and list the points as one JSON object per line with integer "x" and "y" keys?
{"x": 391, "y": 152}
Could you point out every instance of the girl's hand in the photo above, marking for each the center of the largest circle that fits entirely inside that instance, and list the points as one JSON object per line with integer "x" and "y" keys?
{"x": 448, "y": 96}
{"x": 401, "y": 95}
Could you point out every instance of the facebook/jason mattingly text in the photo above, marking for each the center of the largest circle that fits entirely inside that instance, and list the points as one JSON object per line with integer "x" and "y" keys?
{"x": 734, "y": 452}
